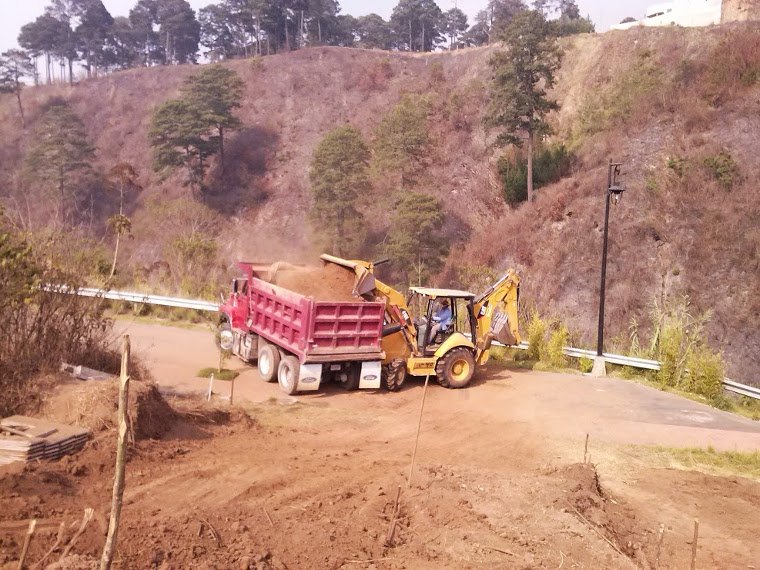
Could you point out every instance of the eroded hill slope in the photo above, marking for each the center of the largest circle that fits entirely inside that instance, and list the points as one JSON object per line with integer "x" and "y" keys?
{"x": 664, "y": 102}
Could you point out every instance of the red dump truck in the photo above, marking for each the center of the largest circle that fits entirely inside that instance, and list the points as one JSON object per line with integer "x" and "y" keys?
{"x": 297, "y": 340}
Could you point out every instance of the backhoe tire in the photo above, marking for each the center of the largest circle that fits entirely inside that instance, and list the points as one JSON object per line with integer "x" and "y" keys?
{"x": 287, "y": 374}
{"x": 456, "y": 368}
{"x": 394, "y": 375}
{"x": 269, "y": 361}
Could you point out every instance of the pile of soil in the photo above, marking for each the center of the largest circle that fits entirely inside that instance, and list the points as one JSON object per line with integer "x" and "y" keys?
{"x": 94, "y": 405}
{"x": 584, "y": 497}
{"x": 327, "y": 283}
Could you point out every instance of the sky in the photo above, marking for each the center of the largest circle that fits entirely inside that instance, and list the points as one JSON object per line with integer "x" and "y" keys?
{"x": 604, "y": 13}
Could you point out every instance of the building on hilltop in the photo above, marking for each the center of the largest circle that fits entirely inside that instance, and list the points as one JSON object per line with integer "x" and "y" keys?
{"x": 691, "y": 13}
{"x": 740, "y": 10}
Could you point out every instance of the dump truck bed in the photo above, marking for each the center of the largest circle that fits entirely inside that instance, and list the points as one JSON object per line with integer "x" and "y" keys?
{"x": 315, "y": 331}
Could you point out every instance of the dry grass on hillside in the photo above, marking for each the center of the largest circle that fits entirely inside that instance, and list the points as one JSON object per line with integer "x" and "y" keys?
{"x": 639, "y": 96}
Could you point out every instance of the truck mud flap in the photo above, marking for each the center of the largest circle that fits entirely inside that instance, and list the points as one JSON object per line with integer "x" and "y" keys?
{"x": 370, "y": 375}
{"x": 309, "y": 377}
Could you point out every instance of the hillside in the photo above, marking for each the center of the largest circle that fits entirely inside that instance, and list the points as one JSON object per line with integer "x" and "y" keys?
{"x": 662, "y": 101}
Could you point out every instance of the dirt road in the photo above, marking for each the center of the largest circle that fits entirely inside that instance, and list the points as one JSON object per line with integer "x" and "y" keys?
{"x": 312, "y": 481}
{"x": 557, "y": 405}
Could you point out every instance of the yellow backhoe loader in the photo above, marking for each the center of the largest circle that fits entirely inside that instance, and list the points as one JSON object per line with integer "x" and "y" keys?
{"x": 453, "y": 352}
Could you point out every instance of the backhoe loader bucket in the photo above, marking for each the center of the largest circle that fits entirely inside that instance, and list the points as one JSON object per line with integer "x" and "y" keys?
{"x": 365, "y": 280}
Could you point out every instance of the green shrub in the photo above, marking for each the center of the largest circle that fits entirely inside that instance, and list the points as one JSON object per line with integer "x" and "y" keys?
{"x": 550, "y": 164}
{"x": 586, "y": 365}
{"x": 723, "y": 168}
{"x": 552, "y": 353}
{"x": 705, "y": 373}
{"x": 536, "y": 336}
{"x": 224, "y": 374}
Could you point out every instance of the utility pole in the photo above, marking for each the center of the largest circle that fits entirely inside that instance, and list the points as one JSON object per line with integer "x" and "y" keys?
{"x": 614, "y": 191}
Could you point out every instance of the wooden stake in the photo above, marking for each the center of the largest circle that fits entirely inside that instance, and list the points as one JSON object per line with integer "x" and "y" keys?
{"x": 210, "y": 387}
{"x": 27, "y": 540}
{"x": 585, "y": 451}
{"x": 694, "y": 545}
{"x": 659, "y": 547}
{"x": 419, "y": 426}
{"x": 232, "y": 391}
{"x": 58, "y": 541}
{"x": 394, "y": 518}
{"x": 121, "y": 460}
{"x": 88, "y": 513}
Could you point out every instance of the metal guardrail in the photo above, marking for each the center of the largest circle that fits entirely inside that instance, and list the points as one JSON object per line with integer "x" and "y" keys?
{"x": 742, "y": 389}
{"x": 200, "y": 305}
{"x": 642, "y": 363}
{"x": 132, "y": 297}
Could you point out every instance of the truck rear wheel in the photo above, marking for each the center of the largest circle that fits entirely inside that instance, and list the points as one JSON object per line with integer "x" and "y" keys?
{"x": 268, "y": 362}
{"x": 394, "y": 375}
{"x": 353, "y": 377}
{"x": 287, "y": 374}
{"x": 456, "y": 368}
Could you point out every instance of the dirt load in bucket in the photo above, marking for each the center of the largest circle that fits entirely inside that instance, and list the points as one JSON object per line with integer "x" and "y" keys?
{"x": 326, "y": 283}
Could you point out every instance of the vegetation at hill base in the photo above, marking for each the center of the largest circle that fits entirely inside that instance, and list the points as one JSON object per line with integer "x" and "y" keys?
{"x": 41, "y": 329}
{"x": 676, "y": 110}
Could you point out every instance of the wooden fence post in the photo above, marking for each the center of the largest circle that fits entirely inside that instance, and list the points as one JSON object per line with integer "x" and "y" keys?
{"x": 121, "y": 459}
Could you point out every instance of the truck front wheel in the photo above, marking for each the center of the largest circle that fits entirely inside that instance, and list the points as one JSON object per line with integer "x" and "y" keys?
{"x": 268, "y": 362}
{"x": 224, "y": 337}
{"x": 287, "y": 374}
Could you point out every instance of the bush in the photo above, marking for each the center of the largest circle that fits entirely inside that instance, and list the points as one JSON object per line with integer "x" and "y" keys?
{"x": 705, "y": 373}
{"x": 41, "y": 329}
{"x": 536, "y": 336}
{"x": 586, "y": 365}
{"x": 552, "y": 353}
{"x": 550, "y": 164}
{"x": 723, "y": 168}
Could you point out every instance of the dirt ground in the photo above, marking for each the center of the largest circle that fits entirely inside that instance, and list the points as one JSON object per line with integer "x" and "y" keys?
{"x": 311, "y": 482}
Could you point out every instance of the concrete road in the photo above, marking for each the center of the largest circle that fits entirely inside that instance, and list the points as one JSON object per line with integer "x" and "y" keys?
{"x": 557, "y": 405}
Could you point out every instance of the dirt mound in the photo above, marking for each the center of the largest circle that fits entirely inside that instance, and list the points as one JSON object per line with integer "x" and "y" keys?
{"x": 94, "y": 405}
{"x": 327, "y": 283}
{"x": 585, "y": 498}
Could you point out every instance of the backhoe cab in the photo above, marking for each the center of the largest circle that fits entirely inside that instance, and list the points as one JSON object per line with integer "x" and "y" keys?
{"x": 453, "y": 353}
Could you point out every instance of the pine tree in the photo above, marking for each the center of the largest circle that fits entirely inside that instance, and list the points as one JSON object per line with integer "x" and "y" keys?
{"x": 519, "y": 101}
{"x": 401, "y": 141}
{"x": 339, "y": 175}
{"x": 178, "y": 135}
{"x": 214, "y": 93}
{"x": 60, "y": 154}
{"x": 415, "y": 244}
{"x": 15, "y": 64}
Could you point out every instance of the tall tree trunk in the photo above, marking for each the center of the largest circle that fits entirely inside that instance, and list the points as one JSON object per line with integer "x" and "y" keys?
{"x": 20, "y": 106}
{"x": 167, "y": 45}
{"x": 411, "y": 45}
{"x": 71, "y": 71}
{"x": 287, "y": 37}
{"x": 115, "y": 254}
{"x": 221, "y": 147}
{"x": 530, "y": 166}
{"x": 319, "y": 30}
{"x": 47, "y": 68}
